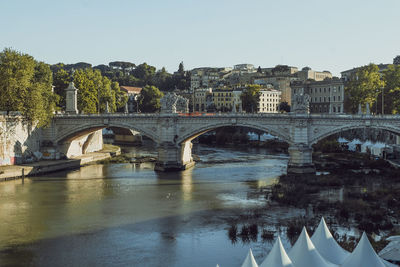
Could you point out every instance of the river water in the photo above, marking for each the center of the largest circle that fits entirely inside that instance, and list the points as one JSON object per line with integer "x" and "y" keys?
{"x": 129, "y": 215}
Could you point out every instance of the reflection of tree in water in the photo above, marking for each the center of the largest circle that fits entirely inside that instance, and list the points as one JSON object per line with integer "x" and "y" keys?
{"x": 247, "y": 233}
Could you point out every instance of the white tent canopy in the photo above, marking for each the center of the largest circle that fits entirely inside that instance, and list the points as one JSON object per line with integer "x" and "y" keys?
{"x": 250, "y": 261}
{"x": 392, "y": 250}
{"x": 277, "y": 257}
{"x": 363, "y": 255}
{"x": 327, "y": 246}
{"x": 304, "y": 253}
{"x": 343, "y": 140}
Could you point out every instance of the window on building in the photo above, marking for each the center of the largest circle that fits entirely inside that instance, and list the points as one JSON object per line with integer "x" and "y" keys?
{"x": 338, "y": 98}
{"x": 334, "y": 98}
{"x": 338, "y": 109}
{"x": 334, "y": 109}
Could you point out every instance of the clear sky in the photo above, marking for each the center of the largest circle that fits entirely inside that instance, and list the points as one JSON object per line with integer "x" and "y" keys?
{"x": 325, "y": 35}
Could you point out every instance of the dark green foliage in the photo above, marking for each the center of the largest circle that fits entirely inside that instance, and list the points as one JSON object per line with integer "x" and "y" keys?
{"x": 150, "y": 99}
{"x": 26, "y": 86}
{"x": 250, "y": 98}
{"x": 284, "y": 107}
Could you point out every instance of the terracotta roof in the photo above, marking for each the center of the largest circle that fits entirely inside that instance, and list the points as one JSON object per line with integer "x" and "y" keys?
{"x": 131, "y": 89}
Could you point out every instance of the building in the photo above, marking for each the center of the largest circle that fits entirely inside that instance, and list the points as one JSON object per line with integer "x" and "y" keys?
{"x": 326, "y": 96}
{"x": 207, "y": 77}
{"x": 244, "y": 68}
{"x": 200, "y": 99}
{"x": 269, "y": 100}
{"x": 133, "y": 93}
{"x": 225, "y": 98}
{"x": 307, "y": 73}
{"x": 350, "y": 74}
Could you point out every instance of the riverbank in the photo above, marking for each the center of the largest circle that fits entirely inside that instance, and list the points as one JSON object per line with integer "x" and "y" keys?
{"x": 353, "y": 192}
{"x": 10, "y": 172}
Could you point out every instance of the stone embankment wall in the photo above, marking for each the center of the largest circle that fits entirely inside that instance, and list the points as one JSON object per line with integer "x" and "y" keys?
{"x": 19, "y": 140}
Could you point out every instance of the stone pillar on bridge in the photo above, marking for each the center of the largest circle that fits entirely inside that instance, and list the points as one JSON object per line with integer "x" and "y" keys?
{"x": 174, "y": 157}
{"x": 71, "y": 99}
{"x": 300, "y": 159}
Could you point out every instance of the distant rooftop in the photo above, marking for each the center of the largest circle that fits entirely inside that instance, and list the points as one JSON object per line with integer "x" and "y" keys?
{"x": 131, "y": 89}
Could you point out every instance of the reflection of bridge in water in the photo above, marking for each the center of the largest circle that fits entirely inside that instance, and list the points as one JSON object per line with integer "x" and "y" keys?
{"x": 173, "y": 133}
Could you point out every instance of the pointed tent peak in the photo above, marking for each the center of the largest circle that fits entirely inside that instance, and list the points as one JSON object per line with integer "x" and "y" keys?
{"x": 322, "y": 230}
{"x": 277, "y": 256}
{"x": 303, "y": 241}
{"x": 304, "y": 253}
{"x": 327, "y": 245}
{"x": 363, "y": 255}
{"x": 250, "y": 261}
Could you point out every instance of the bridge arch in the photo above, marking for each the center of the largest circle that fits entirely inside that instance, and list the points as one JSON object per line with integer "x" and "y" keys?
{"x": 70, "y": 133}
{"x": 336, "y": 130}
{"x": 195, "y": 132}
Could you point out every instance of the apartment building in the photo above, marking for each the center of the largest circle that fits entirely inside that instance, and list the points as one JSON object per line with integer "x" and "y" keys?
{"x": 326, "y": 96}
{"x": 307, "y": 73}
{"x": 200, "y": 99}
{"x": 269, "y": 101}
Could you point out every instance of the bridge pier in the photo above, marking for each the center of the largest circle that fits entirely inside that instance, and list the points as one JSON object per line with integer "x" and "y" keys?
{"x": 300, "y": 159}
{"x": 174, "y": 157}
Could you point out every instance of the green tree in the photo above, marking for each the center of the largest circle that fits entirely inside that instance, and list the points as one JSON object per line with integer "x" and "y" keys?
{"x": 87, "y": 91}
{"x": 181, "y": 68}
{"x": 391, "y": 92}
{"x": 121, "y": 98}
{"x": 250, "y": 98}
{"x": 26, "y": 86}
{"x": 61, "y": 80}
{"x": 363, "y": 88}
{"x": 150, "y": 99}
{"x": 145, "y": 73}
{"x": 284, "y": 107}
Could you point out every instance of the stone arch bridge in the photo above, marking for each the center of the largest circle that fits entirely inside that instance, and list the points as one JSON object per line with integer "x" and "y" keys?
{"x": 174, "y": 132}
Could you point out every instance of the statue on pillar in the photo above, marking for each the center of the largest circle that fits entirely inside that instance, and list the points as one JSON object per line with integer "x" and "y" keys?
{"x": 168, "y": 103}
{"x": 301, "y": 103}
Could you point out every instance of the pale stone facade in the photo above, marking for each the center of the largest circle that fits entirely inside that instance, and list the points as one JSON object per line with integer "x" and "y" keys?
{"x": 269, "y": 101}
{"x": 18, "y": 140}
{"x": 307, "y": 73}
{"x": 325, "y": 96}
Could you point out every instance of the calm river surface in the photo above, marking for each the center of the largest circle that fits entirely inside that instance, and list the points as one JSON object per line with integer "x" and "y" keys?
{"x": 129, "y": 215}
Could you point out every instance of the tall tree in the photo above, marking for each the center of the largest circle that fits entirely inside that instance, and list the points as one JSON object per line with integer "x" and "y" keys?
{"x": 391, "y": 92}
{"x": 150, "y": 99}
{"x": 364, "y": 88}
{"x": 250, "y": 98}
{"x": 26, "y": 86}
{"x": 145, "y": 73}
{"x": 284, "y": 107}
{"x": 181, "y": 68}
{"x": 61, "y": 79}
